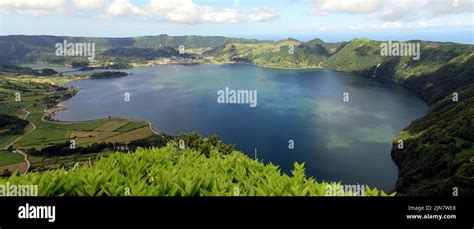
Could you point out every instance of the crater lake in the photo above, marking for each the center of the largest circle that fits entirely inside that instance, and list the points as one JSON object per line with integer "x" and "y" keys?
{"x": 300, "y": 115}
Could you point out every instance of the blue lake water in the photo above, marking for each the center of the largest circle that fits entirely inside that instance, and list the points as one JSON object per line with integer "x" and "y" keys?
{"x": 338, "y": 141}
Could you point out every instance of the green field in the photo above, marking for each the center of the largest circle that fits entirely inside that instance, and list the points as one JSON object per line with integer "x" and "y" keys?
{"x": 8, "y": 158}
{"x": 132, "y": 126}
{"x": 42, "y": 137}
{"x": 7, "y": 139}
{"x": 36, "y": 93}
{"x": 112, "y": 125}
{"x": 87, "y": 126}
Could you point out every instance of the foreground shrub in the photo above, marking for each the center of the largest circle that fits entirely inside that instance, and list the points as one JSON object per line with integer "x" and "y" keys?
{"x": 172, "y": 172}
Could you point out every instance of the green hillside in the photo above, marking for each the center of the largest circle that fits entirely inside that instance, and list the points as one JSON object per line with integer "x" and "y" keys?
{"x": 172, "y": 172}
{"x": 356, "y": 56}
{"x": 288, "y": 53}
{"x": 42, "y": 48}
{"x": 359, "y": 56}
{"x": 141, "y": 53}
{"x": 187, "y": 41}
{"x": 438, "y": 150}
{"x": 455, "y": 75}
{"x": 438, "y": 154}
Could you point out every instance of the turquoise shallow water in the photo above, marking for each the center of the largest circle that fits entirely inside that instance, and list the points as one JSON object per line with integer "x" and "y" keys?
{"x": 337, "y": 140}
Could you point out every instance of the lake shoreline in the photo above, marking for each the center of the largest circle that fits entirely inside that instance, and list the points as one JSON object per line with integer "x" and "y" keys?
{"x": 264, "y": 67}
{"x": 164, "y": 72}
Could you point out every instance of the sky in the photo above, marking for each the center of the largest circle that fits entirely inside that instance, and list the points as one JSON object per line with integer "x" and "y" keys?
{"x": 330, "y": 20}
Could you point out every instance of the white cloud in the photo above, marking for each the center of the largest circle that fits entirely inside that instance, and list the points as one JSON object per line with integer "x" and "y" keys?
{"x": 393, "y": 10}
{"x": 324, "y": 7}
{"x": 460, "y": 23}
{"x": 440, "y": 7}
{"x": 186, "y": 11}
{"x": 399, "y": 25}
{"x": 226, "y": 15}
{"x": 356, "y": 27}
{"x": 412, "y": 25}
{"x": 178, "y": 11}
{"x": 398, "y": 10}
{"x": 123, "y": 8}
{"x": 388, "y": 25}
{"x": 322, "y": 29}
{"x": 420, "y": 25}
{"x": 263, "y": 14}
{"x": 89, "y": 4}
{"x": 36, "y": 7}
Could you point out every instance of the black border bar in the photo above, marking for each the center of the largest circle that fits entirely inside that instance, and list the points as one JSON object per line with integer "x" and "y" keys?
{"x": 237, "y": 210}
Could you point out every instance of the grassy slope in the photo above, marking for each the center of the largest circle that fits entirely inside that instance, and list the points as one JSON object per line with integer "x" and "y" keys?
{"x": 33, "y": 91}
{"x": 172, "y": 172}
{"x": 8, "y": 158}
{"x": 273, "y": 54}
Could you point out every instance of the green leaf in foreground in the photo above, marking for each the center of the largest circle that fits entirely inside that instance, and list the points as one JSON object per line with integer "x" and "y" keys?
{"x": 171, "y": 172}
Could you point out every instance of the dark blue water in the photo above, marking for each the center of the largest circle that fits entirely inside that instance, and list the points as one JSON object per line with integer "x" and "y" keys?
{"x": 337, "y": 140}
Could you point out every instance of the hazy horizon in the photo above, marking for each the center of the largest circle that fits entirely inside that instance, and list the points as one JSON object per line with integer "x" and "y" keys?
{"x": 456, "y": 38}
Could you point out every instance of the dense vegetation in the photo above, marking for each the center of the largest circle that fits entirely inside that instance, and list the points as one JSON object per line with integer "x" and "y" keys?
{"x": 65, "y": 149}
{"x": 10, "y": 125}
{"x": 17, "y": 70}
{"x": 85, "y": 65}
{"x": 189, "y": 140}
{"x": 108, "y": 74}
{"x": 192, "y": 140}
{"x": 143, "y": 53}
{"x": 170, "y": 171}
{"x": 455, "y": 76}
{"x": 438, "y": 151}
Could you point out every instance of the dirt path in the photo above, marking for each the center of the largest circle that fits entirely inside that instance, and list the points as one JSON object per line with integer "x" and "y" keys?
{"x": 21, "y": 167}
{"x": 32, "y": 129}
{"x": 28, "y": 164}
